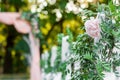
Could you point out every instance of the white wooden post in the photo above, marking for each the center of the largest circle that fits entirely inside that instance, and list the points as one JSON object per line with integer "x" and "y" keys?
{"x": 68, "y": 76}
{"x": 76, "y": 65}
{"x": 58, "y": 76}
{"x": 53, "y": 55}
{"x": 109, "y": 76}
{"x": 65, "y": 48}
{"x": 118, "y": 70}
{"x": 66, "y": 54}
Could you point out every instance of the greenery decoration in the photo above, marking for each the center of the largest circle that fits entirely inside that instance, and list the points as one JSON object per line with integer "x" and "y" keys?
{"x": 95, "y": 58}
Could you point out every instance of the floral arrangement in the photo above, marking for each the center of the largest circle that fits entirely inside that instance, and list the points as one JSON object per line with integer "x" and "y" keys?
{"x": 97, "y": 50}
{"x": 94, "y": 54}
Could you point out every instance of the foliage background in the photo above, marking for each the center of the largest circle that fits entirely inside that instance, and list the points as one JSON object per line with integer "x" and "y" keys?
{"x": 54, "y": 18}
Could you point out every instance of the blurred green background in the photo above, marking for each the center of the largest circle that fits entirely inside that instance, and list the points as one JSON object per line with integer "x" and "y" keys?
{"x": 54, "y": 15}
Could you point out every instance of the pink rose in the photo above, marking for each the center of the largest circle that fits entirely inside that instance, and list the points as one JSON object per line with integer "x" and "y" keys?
{"x": 92, "y": 28}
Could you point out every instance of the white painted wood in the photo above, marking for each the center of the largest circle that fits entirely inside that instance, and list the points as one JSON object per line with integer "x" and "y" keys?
{"x": 76, "y": 65}
{"x": 109, "y": 76}
{"x": 118, "y": 70}
{"x": 68, "y": 76}
{"x": 65, "y": 48}
{"x": 53, "y": 55}
{"x": 46, "y": 55}
{"x": 58, "y": 76}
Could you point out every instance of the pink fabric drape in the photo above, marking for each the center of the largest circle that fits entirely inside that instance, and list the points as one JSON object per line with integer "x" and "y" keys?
{"x": 22, "y": 26}
{"x": 11, "y": 18}
{"x": 35, "y": 63}
{"x": 8, "y": 17}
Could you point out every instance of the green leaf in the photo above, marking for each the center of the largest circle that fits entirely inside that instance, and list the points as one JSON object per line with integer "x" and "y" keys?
{"x": 62, "y": 4}
{"x": 88, "y": 56}
{"x": 111, "y": 6}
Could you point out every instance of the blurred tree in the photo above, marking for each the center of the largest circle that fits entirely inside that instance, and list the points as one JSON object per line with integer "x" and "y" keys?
{"x": 8, "y": 60}
{"x": 8, "y": 6}
{"x": 55, "y": 16}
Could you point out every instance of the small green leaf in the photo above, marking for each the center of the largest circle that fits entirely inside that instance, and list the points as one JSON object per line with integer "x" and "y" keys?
{"x": 88, "y": 56}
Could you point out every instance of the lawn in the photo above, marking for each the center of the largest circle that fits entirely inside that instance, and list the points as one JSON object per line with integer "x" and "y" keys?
{"x": 14, "y": 77}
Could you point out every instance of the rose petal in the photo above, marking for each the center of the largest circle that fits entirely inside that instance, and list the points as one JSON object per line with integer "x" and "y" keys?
{"x": 92, "y": 28}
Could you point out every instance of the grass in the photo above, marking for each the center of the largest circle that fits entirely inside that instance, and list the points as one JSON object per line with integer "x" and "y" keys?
{"x": 14, "y": 77}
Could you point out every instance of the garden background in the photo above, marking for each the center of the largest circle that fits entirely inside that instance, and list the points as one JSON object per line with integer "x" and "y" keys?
{"x": 54, "y": 17}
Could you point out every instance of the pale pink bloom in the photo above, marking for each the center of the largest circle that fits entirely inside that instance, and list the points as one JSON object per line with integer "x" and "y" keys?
{"x": 22, "y": 26}
{"x": 92, "y": 28}
{"x": 8, "y": 17}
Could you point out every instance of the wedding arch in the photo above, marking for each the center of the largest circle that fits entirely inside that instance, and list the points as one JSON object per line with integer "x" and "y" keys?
{"x": 24, "y": 27}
